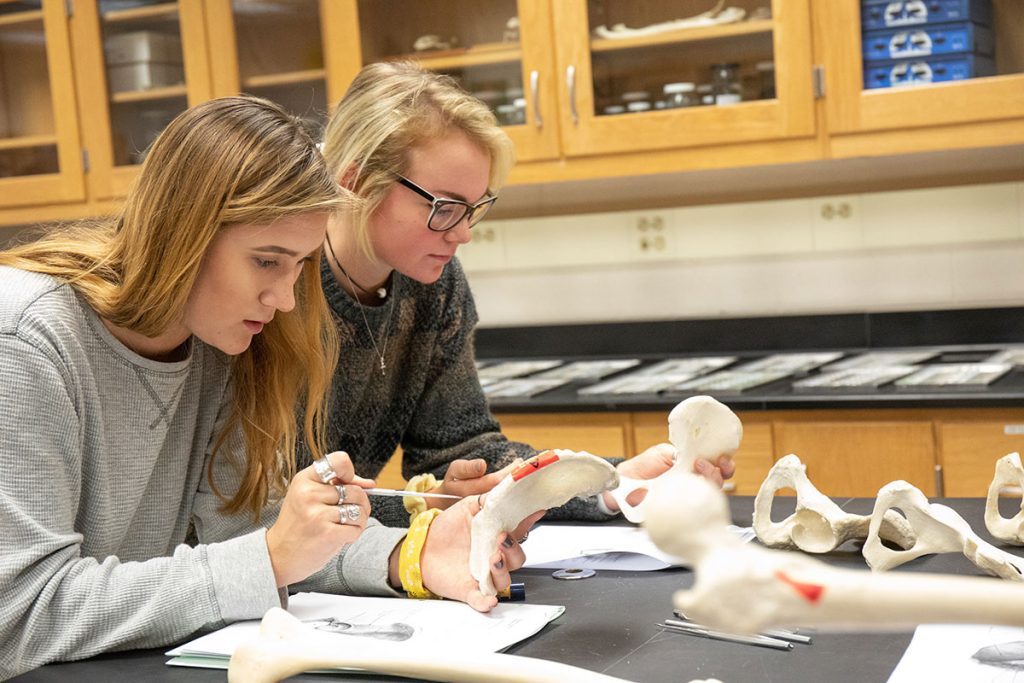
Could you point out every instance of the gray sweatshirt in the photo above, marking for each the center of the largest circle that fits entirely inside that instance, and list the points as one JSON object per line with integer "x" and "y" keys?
{"x": 103, "y": 457}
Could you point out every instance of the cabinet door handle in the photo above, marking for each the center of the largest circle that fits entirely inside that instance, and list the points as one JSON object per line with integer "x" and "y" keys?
{"x": 535, "y": 96}
{"x": 570, "y": 81}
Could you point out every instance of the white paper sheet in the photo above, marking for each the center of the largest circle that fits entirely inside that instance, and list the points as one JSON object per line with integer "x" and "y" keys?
{"x": 624, "y": 548}
{"x": 432, "y": 624}
{"x": 940, "y": 652}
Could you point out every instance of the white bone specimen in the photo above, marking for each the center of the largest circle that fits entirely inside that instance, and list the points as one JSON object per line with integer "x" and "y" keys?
{"x": 285, "y": 647}
{"x": 1008, "y": 473}
{"x": 698, "y": 427}
{"x": 818, "y": 525}
{"x": 939, "y": 529}
{"x": 744, "y": 588}
{"x": 546, "y": 480}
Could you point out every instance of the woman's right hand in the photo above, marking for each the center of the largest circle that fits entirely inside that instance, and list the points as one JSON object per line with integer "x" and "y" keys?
{"x": 467, "y": 478}
{"x": 314, "y": 523}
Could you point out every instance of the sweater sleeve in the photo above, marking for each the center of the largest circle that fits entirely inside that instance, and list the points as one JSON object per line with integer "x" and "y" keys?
{"x": 361, "y": 568}
{"x": 56, "y": 603}
{"x": 453, "y": 421}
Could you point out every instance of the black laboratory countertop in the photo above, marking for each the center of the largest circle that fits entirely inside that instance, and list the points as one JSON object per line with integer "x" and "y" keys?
{"x": 960, "y": 336}
{"x": 610, "y": 626}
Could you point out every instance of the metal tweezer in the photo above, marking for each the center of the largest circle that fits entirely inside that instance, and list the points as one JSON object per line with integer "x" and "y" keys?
{"x": 702, "y": 632}
{"x": 780, "y": 633}
{"x": 405, "y": 494}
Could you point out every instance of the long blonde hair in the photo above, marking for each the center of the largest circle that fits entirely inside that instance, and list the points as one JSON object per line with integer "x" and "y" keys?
{"x": 227, "y": 161}
{"x": 390, "y": 108}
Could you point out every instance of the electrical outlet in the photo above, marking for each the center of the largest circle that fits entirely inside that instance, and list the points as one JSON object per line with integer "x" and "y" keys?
{"x": 486, "y": 251}
{"x": 652, "y": 237}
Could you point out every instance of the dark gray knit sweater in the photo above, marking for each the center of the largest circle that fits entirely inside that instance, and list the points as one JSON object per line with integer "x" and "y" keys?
{"x": 428, "y": 399}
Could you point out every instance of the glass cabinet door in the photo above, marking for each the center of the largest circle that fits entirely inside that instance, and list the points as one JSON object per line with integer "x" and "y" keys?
{"x": 144, "y": 63}
{"x": 273, "y": 49}
{"x": 909, "y": 64}
{"x": 499, "y": 50}
{"x": 40, "y": 158}
{"x": 644, "y": 75}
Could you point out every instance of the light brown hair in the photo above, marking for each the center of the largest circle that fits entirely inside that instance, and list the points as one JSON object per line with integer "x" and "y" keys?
{"x": 227, "y": 161}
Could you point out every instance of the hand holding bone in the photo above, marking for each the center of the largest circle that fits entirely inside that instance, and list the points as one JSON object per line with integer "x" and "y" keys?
{"x": 546, "y": 480}
{"x": 704, "y": 435}
{"x": 308, "y": 531}
{"x": 445, "y": 560}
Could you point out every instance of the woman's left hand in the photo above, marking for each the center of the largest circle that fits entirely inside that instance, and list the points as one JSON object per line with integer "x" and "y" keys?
{"x": 444, "y": 562}
{"x": 657, "y": 460}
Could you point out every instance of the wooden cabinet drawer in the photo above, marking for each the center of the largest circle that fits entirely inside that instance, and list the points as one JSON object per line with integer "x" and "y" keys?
{"x": 858, "y": 458}
{"x": 605, "y": 434}
{"x": 970, "y": 451}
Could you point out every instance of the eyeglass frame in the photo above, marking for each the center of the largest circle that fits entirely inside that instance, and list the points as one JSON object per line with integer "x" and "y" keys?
{"x": 469, "y": 209}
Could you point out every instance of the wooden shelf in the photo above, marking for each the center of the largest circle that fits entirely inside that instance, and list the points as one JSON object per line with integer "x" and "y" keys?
{"x": 28, "y": 141}
{"x": 288, "y": 78}
{"x": 478, "y": 55}
{"x": 21, "y": 17}
{"x": 686, "y": 35}
{"x": 165, "y": 10}
{"x": 166, "y": 93}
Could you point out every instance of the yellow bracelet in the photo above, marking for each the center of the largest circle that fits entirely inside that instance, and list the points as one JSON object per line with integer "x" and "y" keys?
{"x": 419, "y": 483}
{"x": 409, "y": 555}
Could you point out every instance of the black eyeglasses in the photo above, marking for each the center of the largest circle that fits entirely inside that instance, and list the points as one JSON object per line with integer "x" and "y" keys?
{"x": 446, "y": 213}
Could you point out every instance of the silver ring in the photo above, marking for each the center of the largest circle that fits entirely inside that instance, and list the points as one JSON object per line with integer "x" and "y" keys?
{"x": 324, "y": 470}
{"x": 349, "y": 513}
{"x": 341, "y": 493}
{"x": 523, "y": 539}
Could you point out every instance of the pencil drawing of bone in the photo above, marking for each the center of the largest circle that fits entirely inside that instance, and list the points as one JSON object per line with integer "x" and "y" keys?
{"x": 546, "y": 480}
{"x": 1008, "y": 473}
{"x": 939, "y": 529}
{"x": 818, "y": 525}
{"x": 285, "y": 647}
{"x": 698, "y": 427}
{"x": 745, "y": 588}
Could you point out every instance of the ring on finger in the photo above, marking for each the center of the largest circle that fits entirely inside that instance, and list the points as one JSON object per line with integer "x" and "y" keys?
{"x": 349, "y": 513}
{"x": 324, "y": 470}
{"x": 341, "y": 493}
{"x": 523, "y": 539}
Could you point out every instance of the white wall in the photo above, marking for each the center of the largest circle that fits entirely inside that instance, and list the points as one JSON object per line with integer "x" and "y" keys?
{"x": 959, "y": 247}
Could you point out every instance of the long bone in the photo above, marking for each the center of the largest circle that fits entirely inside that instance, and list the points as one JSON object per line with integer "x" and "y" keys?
{"x": 818, "y": 525}
{"x": 546, "y": 480}
{"x": 1009, "y": 472}
{"x": 939, "y": 529}
{"x": 285, "y": 647}
{"x": 698, "y": 427}
{"x": 744, "y": 588}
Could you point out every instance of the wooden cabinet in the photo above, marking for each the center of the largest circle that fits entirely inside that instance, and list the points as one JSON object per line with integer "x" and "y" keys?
{"x": 849, "y": 453}
{"x": 40, "y": 153}
{"x": 856, "y": 458}
{"x": 968, "y": 113}
{"x": 598, "y": 74}
{"x": 137, "y": 67}
{"x": 548, "y": 69}
{"x": 605, "y": 434}
{"x": 970, "y": 450}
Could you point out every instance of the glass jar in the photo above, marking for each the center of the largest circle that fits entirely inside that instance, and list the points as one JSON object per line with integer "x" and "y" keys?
{"x": 683, "y": 94}
{"x": 638, "y": 106}
{"x": 704, "y": 94}
{"x": 725, "y": 83}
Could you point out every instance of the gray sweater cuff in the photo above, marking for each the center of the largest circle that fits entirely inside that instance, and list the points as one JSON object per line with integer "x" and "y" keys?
{"x": 363, "y": 566}
{"x": 243, "y": 579}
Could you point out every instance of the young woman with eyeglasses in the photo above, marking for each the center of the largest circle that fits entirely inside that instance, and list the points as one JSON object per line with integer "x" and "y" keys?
{"x": 425, "y": 161}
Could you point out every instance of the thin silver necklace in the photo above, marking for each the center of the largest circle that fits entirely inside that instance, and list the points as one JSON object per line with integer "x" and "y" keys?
{"x": 383, "y": 349}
